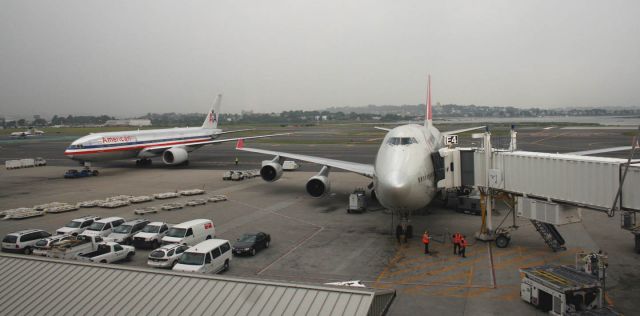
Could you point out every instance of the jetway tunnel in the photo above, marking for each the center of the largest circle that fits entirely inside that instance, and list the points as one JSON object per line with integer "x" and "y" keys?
{"x": 548, "y": 189}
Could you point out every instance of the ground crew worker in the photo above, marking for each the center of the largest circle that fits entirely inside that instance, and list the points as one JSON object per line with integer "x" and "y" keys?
{"x": 236, "y": 161}
{"x": 463, "y": 246}
{"x": 425, "y": 241}
{"x": 456, "y": 242}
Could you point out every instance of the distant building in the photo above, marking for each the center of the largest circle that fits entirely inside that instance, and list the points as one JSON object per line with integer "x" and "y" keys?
{"x": 128, "y": 122}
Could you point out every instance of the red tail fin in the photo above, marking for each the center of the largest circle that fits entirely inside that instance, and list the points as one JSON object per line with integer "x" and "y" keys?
{"x": 240, "y": 143}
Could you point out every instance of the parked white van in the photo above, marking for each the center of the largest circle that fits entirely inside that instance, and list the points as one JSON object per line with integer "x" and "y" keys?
{"x": 103, "y": 227}
{"x": 190, "y": 233}
{"x": 209, "y": 256}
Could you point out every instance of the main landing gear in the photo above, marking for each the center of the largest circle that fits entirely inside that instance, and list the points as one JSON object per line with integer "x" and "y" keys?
{"x": 143, "y": 162}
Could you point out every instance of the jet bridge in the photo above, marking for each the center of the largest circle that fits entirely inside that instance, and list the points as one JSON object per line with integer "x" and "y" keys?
{"x": 549, "y": 189}
{"x": 588, "y": 182}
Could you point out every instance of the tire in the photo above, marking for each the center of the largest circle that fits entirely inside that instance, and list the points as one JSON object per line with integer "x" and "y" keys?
{"x": 96, "y": 173}
{"x": 103, "y": 261}
{"x": 266, "y": 244}
{"x": 28, "y": 251}
{"x": 502, "y": 241}
{"x": 253, "y": 252}
{"x": 130, "y": 255}
{"x": 208, "y": 237}
{"x": 226, "y": 266}
{"x": 155, "y": 244}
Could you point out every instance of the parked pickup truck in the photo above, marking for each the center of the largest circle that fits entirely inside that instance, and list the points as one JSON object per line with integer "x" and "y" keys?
{"x": 109, "y": 252}
{"x": 72, "y": 248}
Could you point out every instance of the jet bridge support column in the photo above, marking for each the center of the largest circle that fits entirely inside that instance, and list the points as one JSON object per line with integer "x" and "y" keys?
{"x": 486, "y": 194}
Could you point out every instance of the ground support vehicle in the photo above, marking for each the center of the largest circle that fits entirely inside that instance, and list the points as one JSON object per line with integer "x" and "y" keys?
{"x": 357, "y": 201}
{"x": 166, "y": 195}
{"x": 217, "y": 198}
{"x": 192, "y": 192}
{"x": 172, "y": 206}
{"x": 197, "y": 202}
{"x": 74, "y": 173}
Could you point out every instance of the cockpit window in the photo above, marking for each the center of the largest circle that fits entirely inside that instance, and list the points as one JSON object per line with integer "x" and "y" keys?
{"x": 401, "y": 141}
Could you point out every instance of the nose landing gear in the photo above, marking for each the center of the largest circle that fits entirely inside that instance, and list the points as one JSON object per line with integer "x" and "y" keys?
{"x": 404, "y": 230}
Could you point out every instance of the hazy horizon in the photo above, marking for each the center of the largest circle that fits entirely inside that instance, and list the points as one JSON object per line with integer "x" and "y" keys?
{"x": 129, "y": 58}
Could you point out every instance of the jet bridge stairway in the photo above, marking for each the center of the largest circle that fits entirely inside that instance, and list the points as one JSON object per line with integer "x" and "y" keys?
{"x": 550, "y": 234}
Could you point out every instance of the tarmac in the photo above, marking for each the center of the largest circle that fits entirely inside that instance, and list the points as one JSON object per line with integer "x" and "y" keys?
{"x": 317, "y": 241}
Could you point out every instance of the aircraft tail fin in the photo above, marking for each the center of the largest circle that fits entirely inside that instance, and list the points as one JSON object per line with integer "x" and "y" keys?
{"x": 211, "y": 122}
{"x": 429, "y": 114}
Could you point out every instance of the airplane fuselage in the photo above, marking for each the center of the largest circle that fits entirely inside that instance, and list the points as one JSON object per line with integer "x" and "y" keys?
{"x": 133, "y": 144}
{"x": 404, "y": 178}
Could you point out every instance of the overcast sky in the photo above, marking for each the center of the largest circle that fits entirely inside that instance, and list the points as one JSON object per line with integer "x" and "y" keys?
{"x": 132, "y": 57}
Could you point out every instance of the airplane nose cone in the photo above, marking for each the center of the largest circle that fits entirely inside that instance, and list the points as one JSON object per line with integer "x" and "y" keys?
{"x": 394, "y": 189}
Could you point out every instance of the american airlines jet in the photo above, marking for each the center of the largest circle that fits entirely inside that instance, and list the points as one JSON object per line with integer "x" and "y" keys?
{"x": 173, "y": 144}
{"x": 403, "y": 174}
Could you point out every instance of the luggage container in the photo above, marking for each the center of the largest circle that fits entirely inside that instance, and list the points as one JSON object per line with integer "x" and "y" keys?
{"x": 12, "y": 164}
{"x": 357, "y": 201}
{"x": 290, "y": 165}
{"x": 27, "y": 163}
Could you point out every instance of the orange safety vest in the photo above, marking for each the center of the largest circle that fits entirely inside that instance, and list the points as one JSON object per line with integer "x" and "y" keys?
{"x": 425, "y": 239}
{"x": 456, "y": 238}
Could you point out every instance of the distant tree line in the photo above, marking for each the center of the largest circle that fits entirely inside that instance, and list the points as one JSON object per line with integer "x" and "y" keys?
{"x": 384, "y": 113}
{"x": 79, "y": 120}
{"x": 454, "y": 110}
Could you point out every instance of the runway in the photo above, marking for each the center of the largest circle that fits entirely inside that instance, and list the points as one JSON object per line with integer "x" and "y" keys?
{"x": 359, "y": 144}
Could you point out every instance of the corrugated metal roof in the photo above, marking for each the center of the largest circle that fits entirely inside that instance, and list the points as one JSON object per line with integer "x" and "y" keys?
{"x": 39, "y": 286}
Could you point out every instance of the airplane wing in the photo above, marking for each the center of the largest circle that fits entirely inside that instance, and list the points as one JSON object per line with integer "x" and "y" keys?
{"x": 359, "y": 168}
{"x": 461, "y": 130}
{"x": 382, "y": 128}
{"x": 158, "y": 149}
{"x": 600, "y": 151}
{"x": 236, "y": 131}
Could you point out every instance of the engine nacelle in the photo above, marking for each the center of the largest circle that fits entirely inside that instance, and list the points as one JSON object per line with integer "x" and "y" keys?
{"x": 318, "y": 186}
{"x": 270, "y": 171}
{"x": 175, "y": 156}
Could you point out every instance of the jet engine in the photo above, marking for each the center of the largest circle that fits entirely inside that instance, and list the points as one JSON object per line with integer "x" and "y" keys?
{"x": 270, "y": 171}
{"x": 175, "y": 156}
{"x": 319, "y": 185}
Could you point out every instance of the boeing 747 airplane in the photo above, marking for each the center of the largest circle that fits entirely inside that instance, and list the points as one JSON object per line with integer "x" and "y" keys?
{"x": 403, "y": 174}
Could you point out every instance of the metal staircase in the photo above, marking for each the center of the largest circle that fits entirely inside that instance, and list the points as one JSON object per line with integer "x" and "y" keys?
{"x": 550, "y": 234}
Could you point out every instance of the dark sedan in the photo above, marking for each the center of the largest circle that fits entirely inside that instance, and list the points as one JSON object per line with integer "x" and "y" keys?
{"x": 251, "y": 243}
